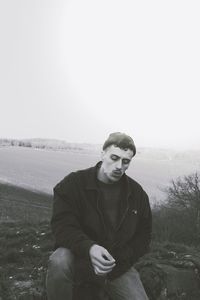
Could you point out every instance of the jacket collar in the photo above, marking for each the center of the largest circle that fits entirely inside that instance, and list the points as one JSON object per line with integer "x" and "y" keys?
{"x": 91, "y": 183}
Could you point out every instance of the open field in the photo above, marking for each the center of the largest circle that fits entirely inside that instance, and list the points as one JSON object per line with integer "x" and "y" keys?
{"x": 18, "y": 204}
{"x": 25, "y": 242}
{"x": 40, "y": 170}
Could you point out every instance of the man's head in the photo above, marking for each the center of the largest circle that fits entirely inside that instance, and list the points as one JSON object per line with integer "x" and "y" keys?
{"x": 118, "y": 150}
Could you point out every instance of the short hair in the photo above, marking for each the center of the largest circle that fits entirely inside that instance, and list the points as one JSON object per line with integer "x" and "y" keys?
{"x": 120, "y": 140}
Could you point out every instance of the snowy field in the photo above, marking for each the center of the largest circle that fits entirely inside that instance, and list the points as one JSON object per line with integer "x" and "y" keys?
{"x": 42, "y": 169}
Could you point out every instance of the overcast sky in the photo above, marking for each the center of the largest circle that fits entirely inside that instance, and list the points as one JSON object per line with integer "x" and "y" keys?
{"x": 78, "y": 70}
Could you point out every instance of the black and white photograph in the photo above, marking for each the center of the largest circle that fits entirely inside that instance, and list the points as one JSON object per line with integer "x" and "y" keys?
{"x": 99, "y": 150}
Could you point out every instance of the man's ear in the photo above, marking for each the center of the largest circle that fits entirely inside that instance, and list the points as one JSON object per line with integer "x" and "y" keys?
{"x": 102, "y": 154}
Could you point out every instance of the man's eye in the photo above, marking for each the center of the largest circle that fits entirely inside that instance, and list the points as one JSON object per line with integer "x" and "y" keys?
{"x": 126, "y": 161}
{"x": 114, "y": 158}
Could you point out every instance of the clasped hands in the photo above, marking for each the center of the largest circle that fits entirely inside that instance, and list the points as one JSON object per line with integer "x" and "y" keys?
{"x": 101, "y": 259}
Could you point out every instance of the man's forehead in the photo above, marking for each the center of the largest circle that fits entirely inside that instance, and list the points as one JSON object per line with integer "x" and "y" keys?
{"x": 127, "y": 153}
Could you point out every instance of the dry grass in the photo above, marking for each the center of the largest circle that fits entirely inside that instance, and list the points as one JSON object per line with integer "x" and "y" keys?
{"x": 25, "y": 243}
{"x": 24, "y": 252}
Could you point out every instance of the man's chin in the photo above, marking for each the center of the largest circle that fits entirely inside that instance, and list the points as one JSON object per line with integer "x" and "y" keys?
{"x": 115, "y": 178}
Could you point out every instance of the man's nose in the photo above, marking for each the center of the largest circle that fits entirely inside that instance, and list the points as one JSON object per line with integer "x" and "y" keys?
{"x": 119, "y": 164}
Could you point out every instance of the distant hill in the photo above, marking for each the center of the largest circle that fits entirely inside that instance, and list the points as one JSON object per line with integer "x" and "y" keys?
{"x": 52, "y": 144}
{"x": 144, "y": 152}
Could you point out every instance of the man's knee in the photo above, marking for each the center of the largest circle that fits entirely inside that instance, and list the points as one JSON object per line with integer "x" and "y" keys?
{"x": 61, "y": 262}
{"x": 127, "y": 286}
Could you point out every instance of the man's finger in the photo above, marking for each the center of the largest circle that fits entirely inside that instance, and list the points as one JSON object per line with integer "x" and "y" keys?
{"x": 108, "y": 257}
{"x": 96, "y": 263}
{"x": 106, "y": 254}
{"x": 101, "y": 272}
{"x": 103, "y": 261}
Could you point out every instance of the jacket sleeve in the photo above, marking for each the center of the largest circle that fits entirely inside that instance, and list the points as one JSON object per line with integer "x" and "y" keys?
{"x": 66, "y": 219}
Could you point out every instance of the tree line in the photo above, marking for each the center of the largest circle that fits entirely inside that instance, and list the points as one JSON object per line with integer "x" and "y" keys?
{"x": 40, "y": 144}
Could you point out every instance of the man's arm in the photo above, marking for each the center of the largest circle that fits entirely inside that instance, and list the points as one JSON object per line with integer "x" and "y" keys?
{"x": 66, "y": 217}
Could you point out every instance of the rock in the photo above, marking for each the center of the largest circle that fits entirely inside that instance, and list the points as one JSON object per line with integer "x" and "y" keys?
{"x": 176, "y": 276}
{"x": 23, "y": 284}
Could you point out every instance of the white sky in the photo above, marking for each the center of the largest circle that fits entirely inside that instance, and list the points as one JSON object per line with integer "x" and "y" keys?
{"x": 78, "y": 70}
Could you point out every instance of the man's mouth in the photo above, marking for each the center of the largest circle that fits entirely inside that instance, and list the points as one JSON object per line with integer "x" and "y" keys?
{"x": 117, "y": 173}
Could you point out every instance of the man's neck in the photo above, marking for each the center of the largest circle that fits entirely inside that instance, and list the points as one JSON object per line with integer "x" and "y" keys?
{"x": 101, "y": 176}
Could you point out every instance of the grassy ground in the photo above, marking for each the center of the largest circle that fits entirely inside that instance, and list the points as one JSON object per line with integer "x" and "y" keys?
{"x": 24, "y": 251}
{"x": 21, "y": 205}
{"x": 26, "y": 243}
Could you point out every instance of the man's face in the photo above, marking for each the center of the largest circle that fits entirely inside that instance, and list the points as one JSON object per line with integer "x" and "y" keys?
{"x": 115, "y": 161}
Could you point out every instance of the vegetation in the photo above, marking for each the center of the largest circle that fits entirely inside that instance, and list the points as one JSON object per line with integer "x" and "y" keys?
{"x": 25, "y": 242}
{"x": 24, "y": 252}
{"x": 178, "y": 218}
{"x": 20, "y": 205}
{"x": 52, "y": 144}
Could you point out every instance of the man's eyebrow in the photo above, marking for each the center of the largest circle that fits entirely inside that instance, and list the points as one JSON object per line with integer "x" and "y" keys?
{"x": 115, "y": 155}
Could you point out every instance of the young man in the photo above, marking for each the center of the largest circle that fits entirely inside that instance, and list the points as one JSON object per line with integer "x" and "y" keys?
{"x": 102, "y": 225}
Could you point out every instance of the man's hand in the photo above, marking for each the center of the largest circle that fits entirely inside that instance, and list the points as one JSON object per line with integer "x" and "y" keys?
{"x": 101, "y": 259}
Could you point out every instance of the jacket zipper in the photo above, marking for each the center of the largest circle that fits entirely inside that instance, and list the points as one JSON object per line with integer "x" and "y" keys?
{"x": 99, "y": 210}
{"x": 122, "y": 219}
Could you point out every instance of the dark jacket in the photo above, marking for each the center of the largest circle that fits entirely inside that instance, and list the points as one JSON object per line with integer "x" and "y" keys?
{"x": 78, "y": 223}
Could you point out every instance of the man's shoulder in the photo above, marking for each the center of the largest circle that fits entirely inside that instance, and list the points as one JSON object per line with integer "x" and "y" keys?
{"x": 133, "y": 182}
{"x": 81, "y": 174}
{"x": 74, "y": 177}
{"x": 135, "y": 186}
